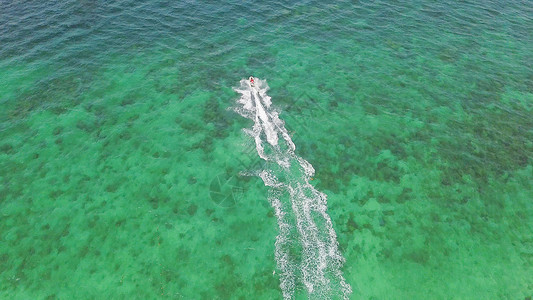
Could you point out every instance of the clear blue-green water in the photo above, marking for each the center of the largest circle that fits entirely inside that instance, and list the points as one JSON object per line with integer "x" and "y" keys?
{"x": 122, "y": 161}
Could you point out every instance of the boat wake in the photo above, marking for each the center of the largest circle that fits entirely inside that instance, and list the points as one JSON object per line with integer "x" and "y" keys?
{"x": 306, "y": 247}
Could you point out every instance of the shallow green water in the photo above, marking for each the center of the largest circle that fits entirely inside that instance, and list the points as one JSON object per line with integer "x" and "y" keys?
{"x": 120, "y": 156}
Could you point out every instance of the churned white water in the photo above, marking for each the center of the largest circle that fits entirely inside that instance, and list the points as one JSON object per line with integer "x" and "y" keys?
{"x": 307, "y": 251}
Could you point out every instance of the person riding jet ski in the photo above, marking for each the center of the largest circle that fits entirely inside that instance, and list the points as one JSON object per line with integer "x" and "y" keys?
{"x": 251, "y": 80}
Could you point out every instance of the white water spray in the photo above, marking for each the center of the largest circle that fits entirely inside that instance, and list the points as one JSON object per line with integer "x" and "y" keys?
{"x": 306, "y": 247}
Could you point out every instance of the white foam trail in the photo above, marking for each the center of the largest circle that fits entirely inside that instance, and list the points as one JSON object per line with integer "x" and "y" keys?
{"x": 303, "y": 223}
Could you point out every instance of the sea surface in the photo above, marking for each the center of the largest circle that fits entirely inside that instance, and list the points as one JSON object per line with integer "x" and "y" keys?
{"x": 129, "y": 169}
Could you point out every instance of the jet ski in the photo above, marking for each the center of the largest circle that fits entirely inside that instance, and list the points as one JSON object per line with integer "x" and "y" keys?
{"x": 251, "y": 79}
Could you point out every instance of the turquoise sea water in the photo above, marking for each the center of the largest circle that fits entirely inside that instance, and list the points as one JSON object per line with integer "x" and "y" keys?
{"x": 122, "y": 162}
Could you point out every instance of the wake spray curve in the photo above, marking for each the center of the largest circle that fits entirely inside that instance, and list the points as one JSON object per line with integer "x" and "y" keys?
{"x": 306, "y": 247}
